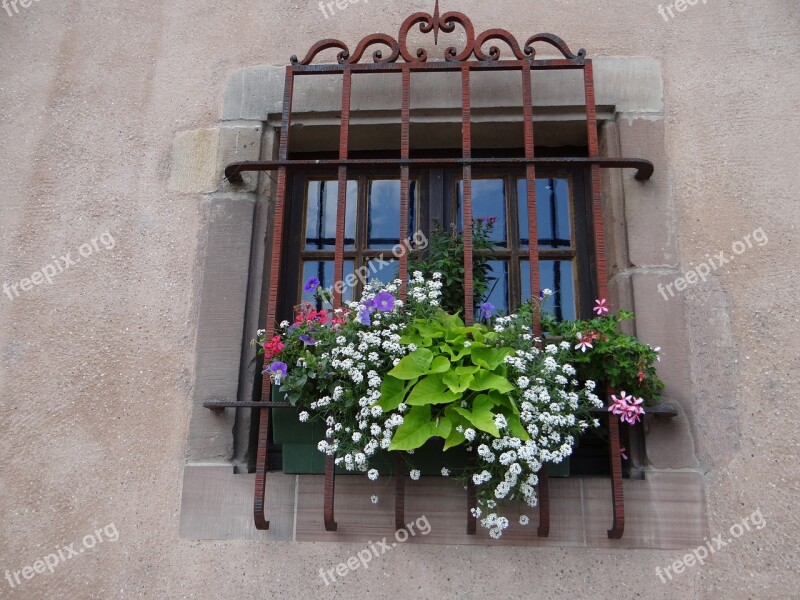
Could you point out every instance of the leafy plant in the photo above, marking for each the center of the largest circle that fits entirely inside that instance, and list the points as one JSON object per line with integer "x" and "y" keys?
{"x": 602, "y": 352}
{"x": 445, "y": 255}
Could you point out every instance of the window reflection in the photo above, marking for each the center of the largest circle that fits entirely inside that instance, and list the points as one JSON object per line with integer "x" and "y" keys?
{"x": 324, "y": 271}
{"x": 553, "y": 219}
{"x": 323, "y": 198}
{"x": 383, "y": 212}
{"x": 488, "y": 200}
{"x": 555, "y": 275}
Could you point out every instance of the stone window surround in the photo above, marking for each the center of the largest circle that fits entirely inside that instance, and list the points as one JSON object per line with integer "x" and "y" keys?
{"x": 233, "y": 249}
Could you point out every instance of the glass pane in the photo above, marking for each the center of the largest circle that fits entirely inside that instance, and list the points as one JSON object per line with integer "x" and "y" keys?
{"x": 383, "y": 213}
{"x": 498, "y": 287}
{"x": 324, "y": 271}
{"x": 555, "y": 275}
{"x": 488, "y": 200}
{"x": 322, "y": 200}
{"x": 553, "y": 220}
{"x": 386, "y": 271}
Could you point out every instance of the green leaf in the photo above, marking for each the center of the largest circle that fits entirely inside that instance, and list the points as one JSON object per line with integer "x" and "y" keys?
{"x": 458, "y": 384}
{"x": 431, "y": 390}
{"x": 414, "y": 365}
{"x": 490, "y": 358}
{"x": 417, "y": 428}
{"x": 440, "y": 364}
{"x": 484, "y": 380}
{"x": 481, "y": 415}
{"x": 516, "y": 427}
{"x": 393, "y": 391}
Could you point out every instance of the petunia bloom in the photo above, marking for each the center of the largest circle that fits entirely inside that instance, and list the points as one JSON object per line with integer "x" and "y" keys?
{"x": 277, "y": 372}
{"x": 363, "y": 316}
{"x": 602, "y": 307}
{"x": 384, "y": 301}
{"x": 308, "y": 340}
{"x": 311, "y": 285}
{"x": 486, "y": 310}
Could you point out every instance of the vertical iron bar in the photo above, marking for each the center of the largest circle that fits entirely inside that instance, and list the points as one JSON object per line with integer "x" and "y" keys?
{"x": 405, "y": 143}
{"x": 272, "y": 301}
{"x": 618, "y": 526}
{"x": 466, "y": 134}
{"x": 338, "y": 269}
{"x": 530, "y": 175}
{"x": 544, "y": 503}
{"x": 469, "y": 304}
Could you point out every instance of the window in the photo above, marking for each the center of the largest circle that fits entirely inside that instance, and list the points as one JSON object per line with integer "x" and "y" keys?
{"x": 371, "y": 230}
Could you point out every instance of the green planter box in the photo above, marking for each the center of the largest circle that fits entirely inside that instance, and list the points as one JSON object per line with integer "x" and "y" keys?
{"x": 301, "y": 457}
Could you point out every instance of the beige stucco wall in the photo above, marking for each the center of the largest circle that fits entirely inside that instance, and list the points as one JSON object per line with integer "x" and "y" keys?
{"x": 97, "y": 369}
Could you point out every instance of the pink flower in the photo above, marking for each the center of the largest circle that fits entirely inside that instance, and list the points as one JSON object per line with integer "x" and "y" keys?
{"x": 602, "y": 307}
{"x": 622, "y": 453}
{"x": 627, "y": 408}
{"x": 584, "y": 342}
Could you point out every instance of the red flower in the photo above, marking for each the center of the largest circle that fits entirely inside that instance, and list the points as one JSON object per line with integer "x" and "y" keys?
{"x": 273, "y": 347}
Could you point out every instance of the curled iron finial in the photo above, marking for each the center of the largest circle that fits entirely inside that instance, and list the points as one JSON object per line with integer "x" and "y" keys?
{"x": 436, "y": 23}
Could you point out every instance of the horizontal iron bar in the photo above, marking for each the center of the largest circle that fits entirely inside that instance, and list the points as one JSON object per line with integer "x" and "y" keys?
{"x": 644, "y": 168}
{"x": 499, "y": 65}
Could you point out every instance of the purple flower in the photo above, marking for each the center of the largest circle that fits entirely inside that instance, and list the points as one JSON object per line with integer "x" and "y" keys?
{"x": 486, "y": 310}
{"x": 363, "y": 316}
{"x": 311, "y": 285}
{"x": 384, "y": 302}
{"x": 308, "y": 340}
{"x": 277, "y": 371}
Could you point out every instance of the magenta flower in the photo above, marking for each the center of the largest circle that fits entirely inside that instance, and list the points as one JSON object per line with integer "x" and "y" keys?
{"x": 622, "y": 453}
{"x": 384, "y": 301}
{"x": 601, "y": 308}
{"x": 627, "y": 408}
{"x": 584, "y": 342}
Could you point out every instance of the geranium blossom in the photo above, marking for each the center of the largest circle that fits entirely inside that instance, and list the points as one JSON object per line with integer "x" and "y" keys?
{"x": 584, "y": 342}
{"x": 628, "y": 408}
{"x": 602, "y": 307}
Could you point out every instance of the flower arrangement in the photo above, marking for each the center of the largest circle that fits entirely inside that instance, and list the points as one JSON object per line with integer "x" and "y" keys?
{"x": 387, "y": 375}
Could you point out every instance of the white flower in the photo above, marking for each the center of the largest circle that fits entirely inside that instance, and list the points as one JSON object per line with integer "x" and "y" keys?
{"x": 356, "y": 436}
{"x": 500, "y": 422}
{"x": 415, "y": 474}
{"x": 445, "y": 472}
{"x": 303, "y": 416}
{"x": 374, "y": 499}
{"x": 524, "y": 520}
{"x": 373, "y": 475}
{"x": 469, "y": 434}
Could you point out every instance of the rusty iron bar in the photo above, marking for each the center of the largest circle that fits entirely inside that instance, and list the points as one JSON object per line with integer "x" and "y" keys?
{"x": 399, "y": 491}
{"x": 596, "y": 203}
{"x": 272, "y": 299}
{"x": 644, "y": 168}
{"x": 544, "y": 503}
